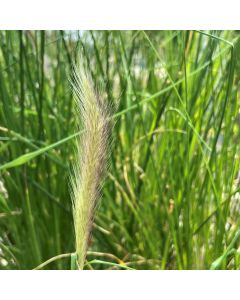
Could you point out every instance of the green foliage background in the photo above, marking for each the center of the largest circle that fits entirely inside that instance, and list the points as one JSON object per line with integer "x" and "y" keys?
{"x": 170, "y": 200}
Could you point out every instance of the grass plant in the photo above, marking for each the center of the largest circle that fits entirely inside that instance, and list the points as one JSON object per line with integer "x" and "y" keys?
{"x": 172, "y": 191}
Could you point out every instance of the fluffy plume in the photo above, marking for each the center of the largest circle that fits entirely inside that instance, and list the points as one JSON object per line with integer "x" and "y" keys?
{"x": 95, "y": 120}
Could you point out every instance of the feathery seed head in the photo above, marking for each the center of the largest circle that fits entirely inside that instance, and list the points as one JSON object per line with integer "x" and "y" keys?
{"x": 92, "y": 152}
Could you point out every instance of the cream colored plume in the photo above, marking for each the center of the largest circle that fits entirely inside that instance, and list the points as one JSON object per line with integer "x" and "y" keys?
{"x": 91, "y": 158}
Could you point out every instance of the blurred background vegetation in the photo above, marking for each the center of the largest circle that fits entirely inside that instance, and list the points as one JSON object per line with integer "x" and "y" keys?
{"x": 171, "y": 198}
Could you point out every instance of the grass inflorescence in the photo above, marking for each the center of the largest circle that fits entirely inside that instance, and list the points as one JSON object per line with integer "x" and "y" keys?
{"x": 95, "y": 117}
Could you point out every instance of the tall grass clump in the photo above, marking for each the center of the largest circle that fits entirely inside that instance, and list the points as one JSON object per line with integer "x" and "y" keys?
{"x": 93, "y": 114}
{"x": 171, "y": 199}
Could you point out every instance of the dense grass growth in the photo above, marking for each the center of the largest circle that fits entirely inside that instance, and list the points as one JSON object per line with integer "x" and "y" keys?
{"x": 171, "y": 197}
